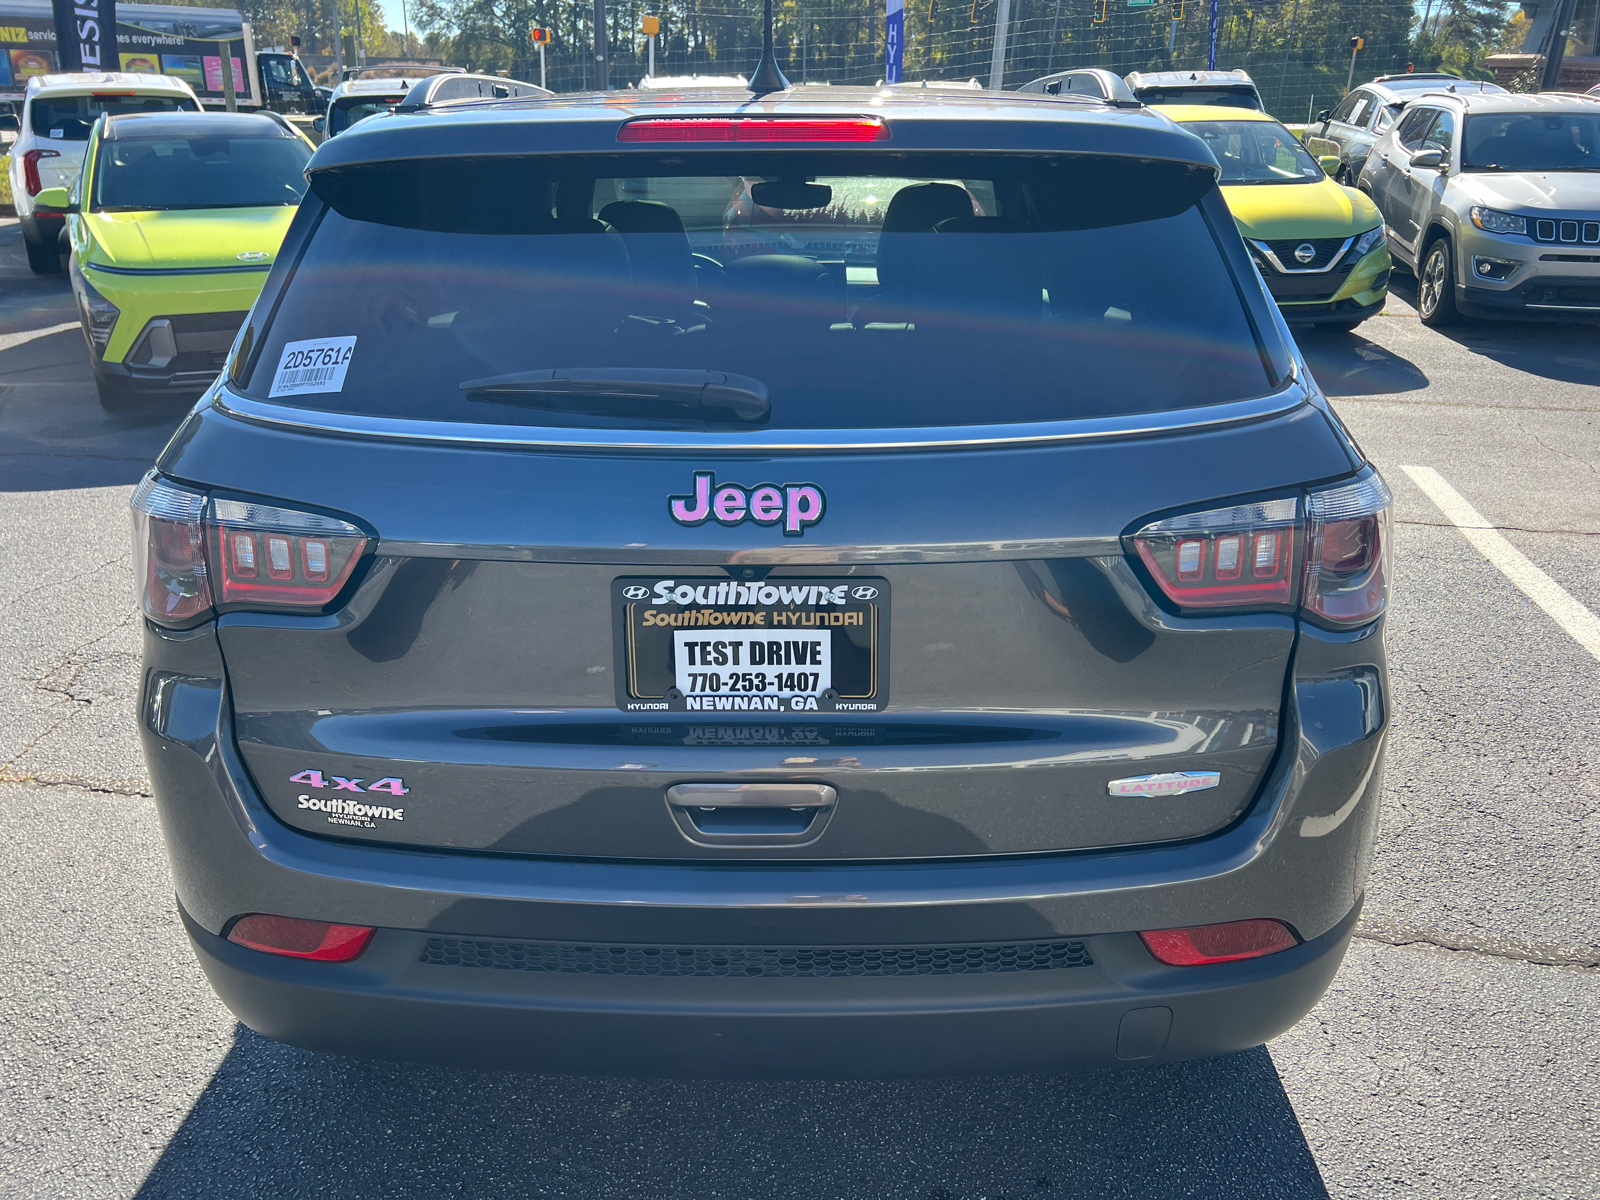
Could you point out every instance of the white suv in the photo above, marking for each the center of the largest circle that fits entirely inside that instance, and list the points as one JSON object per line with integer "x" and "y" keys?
{"x": 57, "y": 113}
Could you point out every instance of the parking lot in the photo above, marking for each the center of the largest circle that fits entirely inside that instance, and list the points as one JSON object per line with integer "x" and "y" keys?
{"x": 1453, "y": 1057}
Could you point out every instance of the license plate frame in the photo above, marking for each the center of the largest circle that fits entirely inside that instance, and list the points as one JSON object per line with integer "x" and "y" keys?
{"x": 648, "y": 610}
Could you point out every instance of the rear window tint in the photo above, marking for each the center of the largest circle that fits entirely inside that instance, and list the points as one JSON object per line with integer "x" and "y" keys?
{"x": 70, "y": 118}
{"x": 852, "y": 291}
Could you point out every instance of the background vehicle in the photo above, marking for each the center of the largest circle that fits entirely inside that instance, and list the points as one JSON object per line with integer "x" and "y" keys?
{"x": 57, "y": 115}
{"x": 362, "y": 97}
{"x": 1352, "y": 128}
{"x": 174, "y": 223}
{"x": 178, "y": 41}
{"x": 1494, "y": 202}
{"x": 463, "y": 806}
{"x": 287, "y": 85}
{"x": 1229, "y": 89}
{"x": 1086, "y": 81}
{"x": 1319, "y": 246}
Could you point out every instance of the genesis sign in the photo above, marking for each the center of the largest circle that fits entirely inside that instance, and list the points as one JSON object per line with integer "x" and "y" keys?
{"x": 86, "y": 35}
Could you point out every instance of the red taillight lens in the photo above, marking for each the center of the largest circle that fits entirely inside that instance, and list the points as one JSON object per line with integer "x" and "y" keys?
{"x": 294, "y": 938}
{"x": 193, "y": 555}
{"x": 1347, "y": 552}
{"x": 30, "y": 169}
{"x": 1201, "y": 944}
{"x": 753, "y": 129}
{"x": 169, "y": 552}
{"x": 267, "y": 555}
{"x": 1239, "y": 557}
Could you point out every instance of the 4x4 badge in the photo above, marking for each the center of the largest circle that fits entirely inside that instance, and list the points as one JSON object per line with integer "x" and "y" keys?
{"x": 794, "y": 505}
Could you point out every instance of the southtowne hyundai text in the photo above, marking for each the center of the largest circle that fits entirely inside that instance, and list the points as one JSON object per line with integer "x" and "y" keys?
{"x": 784, "y": 586}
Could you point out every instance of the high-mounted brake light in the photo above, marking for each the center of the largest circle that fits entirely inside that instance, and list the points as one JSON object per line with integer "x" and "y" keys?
{"x": 1202, "y": 944}
{"x": 753, "y": 129}
{"x": 1327, "y": 552}
{"x": 297, "y": 938}
{"x": 193, "y": 555}
{"x": 30, "y": 169}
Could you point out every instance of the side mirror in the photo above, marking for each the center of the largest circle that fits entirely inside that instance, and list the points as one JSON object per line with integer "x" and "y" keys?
{"x": 9, "y": 123}
{"x": 320, "y": 124}
{"x": 54, "y": 202}
{"x": 1425, "y": 160}
{"x": 1323, "y": 115}
{"x": 1330, "y": 164}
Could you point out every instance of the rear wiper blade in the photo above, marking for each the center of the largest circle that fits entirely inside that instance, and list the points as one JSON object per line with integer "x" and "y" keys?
{"x": 630, "y": 392}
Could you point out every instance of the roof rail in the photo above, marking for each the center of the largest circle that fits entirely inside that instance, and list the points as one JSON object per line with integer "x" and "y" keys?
{"x": 447, "y": 89}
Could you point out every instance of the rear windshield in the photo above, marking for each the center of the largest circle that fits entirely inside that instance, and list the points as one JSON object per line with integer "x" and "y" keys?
{"x": 1221, "y": 97}
{"x": 348, "y": 110}
{"x": 802, "y": 291}
{"x": 199, "y": 171}
{"x": 70, "y": 118}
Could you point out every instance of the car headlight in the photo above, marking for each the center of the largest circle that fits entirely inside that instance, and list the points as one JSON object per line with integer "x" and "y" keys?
{"x": 1369, "y": 241}
{"x": 99, "y": 314}
{"x": 1493, "y": 221}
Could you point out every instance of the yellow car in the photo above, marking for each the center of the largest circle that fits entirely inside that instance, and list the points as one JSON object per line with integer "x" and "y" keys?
{"x": 174, "y": 222}
{"x": 1321, "y": 247}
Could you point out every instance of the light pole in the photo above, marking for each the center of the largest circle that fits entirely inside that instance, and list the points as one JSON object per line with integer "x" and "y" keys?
{"x": 652, "y": 26}
{"x": 1355, "y": 49}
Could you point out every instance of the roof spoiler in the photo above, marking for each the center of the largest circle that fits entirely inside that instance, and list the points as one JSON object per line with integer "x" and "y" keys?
{"x": 449, "y": 88}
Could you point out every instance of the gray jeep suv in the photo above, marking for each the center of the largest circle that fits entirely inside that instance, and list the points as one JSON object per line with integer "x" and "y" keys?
{"x": 784, "y": 586}
{"x": 1494, "y": 203}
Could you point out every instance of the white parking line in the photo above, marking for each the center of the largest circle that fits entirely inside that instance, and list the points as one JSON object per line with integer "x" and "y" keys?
{"x": 10, "y": 340}
{"x": 1549, "y": 595}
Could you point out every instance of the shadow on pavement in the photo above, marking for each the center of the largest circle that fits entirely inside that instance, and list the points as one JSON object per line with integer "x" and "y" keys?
{"x": 279, "y": 1121}
{"x": 1563, "y": 351}
{"x": 1346, "y": 364}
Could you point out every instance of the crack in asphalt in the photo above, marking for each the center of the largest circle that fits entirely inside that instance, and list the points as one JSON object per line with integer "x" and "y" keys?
{"x": 87, "y": 783}
{"x": 45, "y": 587}
{"x": 1491, "y": 945}
{"x": 1500, "y": 528}
{"x": 42, "y": 684}
{"x": 1392, "y": 399}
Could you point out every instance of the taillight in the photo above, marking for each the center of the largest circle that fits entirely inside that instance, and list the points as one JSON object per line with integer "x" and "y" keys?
{"x": 753, "y": 129}
{"x": 1235, "y": 557}
{"x": 1347, "y": 552}
{"x": 1326, "y": 552}
{"x": 265, "y": 555}
{"x": 169, "y": 552}
{"x": 30, "y": 169}
{"x": 193, "y": 555}
{"x": 297, "y": 938}
{"x": 1202, "y": 944}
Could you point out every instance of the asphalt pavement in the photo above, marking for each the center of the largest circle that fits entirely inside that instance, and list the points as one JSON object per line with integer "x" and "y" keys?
{"x": 1454, "y": 1056}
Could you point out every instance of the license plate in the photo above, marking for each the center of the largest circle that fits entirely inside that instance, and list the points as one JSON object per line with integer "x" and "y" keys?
{"x": 724, "y": 645}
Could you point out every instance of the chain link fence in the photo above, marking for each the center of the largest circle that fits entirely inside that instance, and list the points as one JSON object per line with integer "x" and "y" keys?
{"x": 1297, "y": 51}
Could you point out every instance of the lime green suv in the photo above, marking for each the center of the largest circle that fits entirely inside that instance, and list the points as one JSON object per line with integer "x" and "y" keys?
{"x": 174, "y": 222}
{"x": 1321, "y": 247}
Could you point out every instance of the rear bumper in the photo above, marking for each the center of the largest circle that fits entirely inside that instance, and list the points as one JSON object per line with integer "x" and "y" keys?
{"x": 1300, "y": 854}
{"x": 1122, "y": 1009}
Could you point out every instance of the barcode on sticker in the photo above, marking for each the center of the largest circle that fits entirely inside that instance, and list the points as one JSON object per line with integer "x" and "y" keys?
{"x": 313, "y": 365}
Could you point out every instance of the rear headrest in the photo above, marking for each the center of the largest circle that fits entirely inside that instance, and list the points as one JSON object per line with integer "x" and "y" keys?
{"x": 981, "y": 225}
{"x": 642, "y": 216}
{"x": 919, "y": 208}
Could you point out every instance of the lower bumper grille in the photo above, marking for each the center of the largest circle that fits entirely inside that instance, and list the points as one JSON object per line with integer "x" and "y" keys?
{"x": 755, "y": 961}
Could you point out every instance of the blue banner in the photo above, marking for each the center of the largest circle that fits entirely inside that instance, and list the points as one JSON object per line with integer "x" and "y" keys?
{"x": 894, "y": 41}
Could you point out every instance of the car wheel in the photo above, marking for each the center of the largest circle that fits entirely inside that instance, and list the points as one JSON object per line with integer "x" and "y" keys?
{"x": 42, "y": 259}
{"x": 1436, "y": 287}
{"x": 1345, "y": 177}
{"x": 115, "y": 399}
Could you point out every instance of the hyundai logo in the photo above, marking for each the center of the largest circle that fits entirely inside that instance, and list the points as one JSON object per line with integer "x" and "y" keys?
{"x": 1304, "y": 252}
{"x": 636, "y": 592}
{"x": 864, "y": 593}
{"x": 252, "y": 256}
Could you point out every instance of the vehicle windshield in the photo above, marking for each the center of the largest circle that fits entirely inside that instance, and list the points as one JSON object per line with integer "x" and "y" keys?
{"x": 70, "y": 118}
{"x": 1220, "y": 97}
{"x": 1257, "y": 152}
{"x": 138, "y": 174}
{"x": 813, "y": 290}
{"x": 347, "y": 111}
{"x": 1520, "y": 141}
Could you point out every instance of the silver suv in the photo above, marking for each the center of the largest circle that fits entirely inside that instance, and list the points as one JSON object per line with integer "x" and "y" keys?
{"x": 1494, "y": 202}
{"x": 1369, "y": 112}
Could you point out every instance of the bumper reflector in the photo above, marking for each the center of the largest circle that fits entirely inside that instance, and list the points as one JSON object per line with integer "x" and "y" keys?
{"x": 1201, "y": 944}
{"x": 295, "y": 938}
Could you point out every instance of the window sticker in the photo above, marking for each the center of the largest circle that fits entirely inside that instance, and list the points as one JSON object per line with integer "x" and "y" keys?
{"x": 314, "y": 365}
